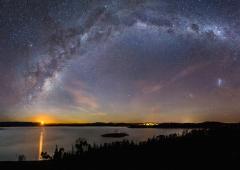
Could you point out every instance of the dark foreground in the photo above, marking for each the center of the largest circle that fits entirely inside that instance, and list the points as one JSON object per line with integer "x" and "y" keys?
{"x": 215, "y": 148}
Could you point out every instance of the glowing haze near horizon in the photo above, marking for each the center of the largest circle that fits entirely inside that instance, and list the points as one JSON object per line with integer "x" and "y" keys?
{"x": 119, "y": 60}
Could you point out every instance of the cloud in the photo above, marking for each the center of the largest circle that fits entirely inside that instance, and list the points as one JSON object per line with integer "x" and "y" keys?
{"x": 81, "y": 98}
{"x": 148, "y": 87}
{"x": 154, "y": 86}
{"x": 99, "y": 114}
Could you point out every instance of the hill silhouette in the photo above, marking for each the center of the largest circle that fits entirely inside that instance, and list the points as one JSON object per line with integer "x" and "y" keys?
{"x": 130, "y": 125}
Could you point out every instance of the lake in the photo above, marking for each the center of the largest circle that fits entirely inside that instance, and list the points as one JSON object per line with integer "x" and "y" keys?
{"x": 31, "y": 141}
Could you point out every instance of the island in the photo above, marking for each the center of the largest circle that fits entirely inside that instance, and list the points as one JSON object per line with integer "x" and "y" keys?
{"x": 115, "y": 135}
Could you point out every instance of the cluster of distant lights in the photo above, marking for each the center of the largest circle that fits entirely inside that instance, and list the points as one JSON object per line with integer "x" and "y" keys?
{"x": 150, "y": 124}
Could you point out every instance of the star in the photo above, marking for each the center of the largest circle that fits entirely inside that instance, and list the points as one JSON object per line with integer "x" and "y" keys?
{"x": 220, "y": 82}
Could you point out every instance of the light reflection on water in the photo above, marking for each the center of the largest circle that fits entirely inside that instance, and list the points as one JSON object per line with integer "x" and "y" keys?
{"x": 31, "y": 141}
{"x": 40, "y": 149}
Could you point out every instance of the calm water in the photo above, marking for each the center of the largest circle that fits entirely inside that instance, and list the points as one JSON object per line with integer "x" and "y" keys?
{"x": 31, "y": 141}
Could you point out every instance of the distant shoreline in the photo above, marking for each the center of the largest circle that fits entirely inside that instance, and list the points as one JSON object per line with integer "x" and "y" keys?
{"x": 129, "y": 125}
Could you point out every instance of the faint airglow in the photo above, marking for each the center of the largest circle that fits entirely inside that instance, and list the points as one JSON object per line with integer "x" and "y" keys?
{"x": 42, "y": 118}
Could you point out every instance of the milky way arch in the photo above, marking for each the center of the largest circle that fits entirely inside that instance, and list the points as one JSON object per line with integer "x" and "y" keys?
{"x": 151, "y": 47}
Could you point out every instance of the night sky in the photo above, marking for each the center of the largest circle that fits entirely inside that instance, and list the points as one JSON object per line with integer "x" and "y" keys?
{"x": 120, "y": 60}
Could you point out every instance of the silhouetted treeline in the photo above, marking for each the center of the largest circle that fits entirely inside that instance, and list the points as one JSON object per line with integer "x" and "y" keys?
{"x": 19, "y": 124}
{"x": 212, "y": 148}
{"x": 92, "y": 124}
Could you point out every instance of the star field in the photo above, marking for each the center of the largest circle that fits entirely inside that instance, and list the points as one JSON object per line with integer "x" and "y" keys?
{"x": 120, "y": 61}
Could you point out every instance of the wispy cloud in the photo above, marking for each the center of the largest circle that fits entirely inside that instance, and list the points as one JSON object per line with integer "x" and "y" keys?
{"x": 81, "y": 97}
